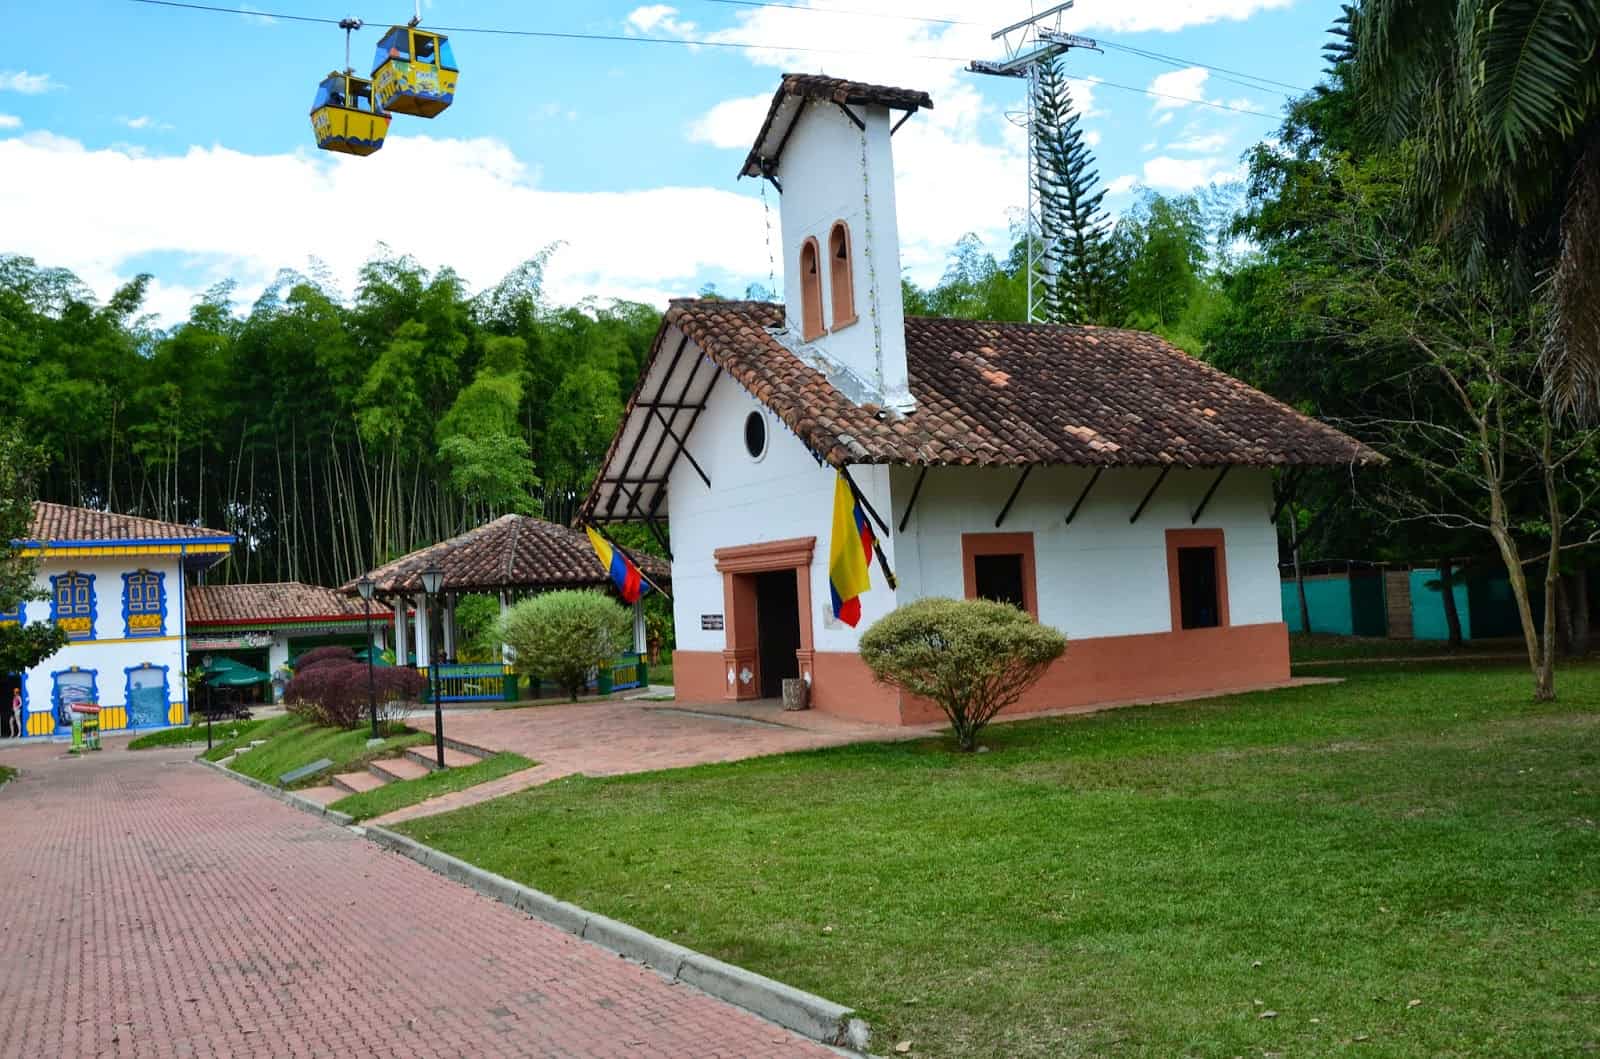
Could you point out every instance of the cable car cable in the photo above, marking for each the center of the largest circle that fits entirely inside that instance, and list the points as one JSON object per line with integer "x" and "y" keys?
{"x": 701, "y": 43}
{"x": 1171, "y": 60}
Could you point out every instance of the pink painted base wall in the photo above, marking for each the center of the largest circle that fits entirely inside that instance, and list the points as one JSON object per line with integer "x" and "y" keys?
{"x": 1109, "y": 669}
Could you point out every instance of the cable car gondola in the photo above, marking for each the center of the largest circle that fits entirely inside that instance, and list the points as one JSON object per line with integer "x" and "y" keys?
{"x": 344, "y": 116}
{"x": 414, "y": 72}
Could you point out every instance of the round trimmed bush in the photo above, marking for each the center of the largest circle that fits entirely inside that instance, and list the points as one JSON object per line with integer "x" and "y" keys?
{"x": 565, "y": 636}
{"x": 971, "y": 656}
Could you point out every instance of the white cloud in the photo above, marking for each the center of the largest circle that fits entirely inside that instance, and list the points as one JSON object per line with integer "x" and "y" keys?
{"x": 10, "y": 121}
{"x": 1092, "y": 137}
{"x": 144, "y": 121}
{"x": 1119, "y": 16}
{"x": 96, "y": 211}
{"x": 1180, "y": 88}
{"x": 733, "y": 123}
{"x": 1208, "y": 143}
{"x": 659, "y": 17}
{"x": 26, "y": 83}
{"x": 1184, "y": 174}
{"x": 1122, "y": 185}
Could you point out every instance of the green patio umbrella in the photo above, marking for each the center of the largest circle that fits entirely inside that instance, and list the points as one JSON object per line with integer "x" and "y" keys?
{"x": 236, "y": 675}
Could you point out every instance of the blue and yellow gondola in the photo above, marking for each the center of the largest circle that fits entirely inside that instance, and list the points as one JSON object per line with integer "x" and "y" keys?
{"x": 345, "y": 117}
{"x": 414, "y": 72}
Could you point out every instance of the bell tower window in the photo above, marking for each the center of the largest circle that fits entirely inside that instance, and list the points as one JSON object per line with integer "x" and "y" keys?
{"x": 810, "y": 291}
{"x": 841, "y": 278}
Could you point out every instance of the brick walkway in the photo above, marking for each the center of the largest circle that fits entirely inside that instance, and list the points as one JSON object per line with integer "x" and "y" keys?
{"x": 608, "y": 738}
{"x": 153, "y": 908}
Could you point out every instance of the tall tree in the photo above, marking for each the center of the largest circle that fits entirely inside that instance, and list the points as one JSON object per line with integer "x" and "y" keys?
{"x": 1073, "y": 226}
{"x": 1500, "y": 100}
{"x": 22, "y": 646}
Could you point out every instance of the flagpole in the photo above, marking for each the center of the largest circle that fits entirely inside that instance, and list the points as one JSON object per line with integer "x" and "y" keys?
{"x": 877, "y": 545}
{"x": 628, "y": 556}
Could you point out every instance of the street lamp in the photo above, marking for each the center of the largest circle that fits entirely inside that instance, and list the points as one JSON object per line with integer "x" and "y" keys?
{"x": 432, "y": 581}
{"x": 205, "y": 669}
{"x": 366, "y": 587}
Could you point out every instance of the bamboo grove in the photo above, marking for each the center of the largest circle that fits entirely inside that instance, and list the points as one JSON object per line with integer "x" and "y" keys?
{"x": 328, "y": 436}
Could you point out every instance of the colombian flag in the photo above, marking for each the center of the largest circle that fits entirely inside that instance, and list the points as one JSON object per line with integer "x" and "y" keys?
{"x": 848, "y": 554}
{"x": 623, "y": 573}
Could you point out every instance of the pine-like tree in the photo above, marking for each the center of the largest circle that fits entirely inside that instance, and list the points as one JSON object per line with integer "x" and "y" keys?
{"x": 1073, "y": 227}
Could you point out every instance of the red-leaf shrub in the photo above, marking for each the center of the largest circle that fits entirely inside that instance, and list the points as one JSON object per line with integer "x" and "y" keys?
{"x": 320, "y": 655}
{"x": 333, "y": 691}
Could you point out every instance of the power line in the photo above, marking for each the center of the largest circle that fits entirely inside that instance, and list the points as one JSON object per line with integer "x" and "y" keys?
{"x": 1224, "y": 73}
{"x": 547, "y": 34}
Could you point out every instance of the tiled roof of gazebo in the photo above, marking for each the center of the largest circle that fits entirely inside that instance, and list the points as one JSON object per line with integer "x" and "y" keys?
{"x": 512, "y": 552}
{"x": 278, "y": 603}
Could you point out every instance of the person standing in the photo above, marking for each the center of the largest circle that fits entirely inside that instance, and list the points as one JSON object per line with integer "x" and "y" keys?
{"x": 16, "y": 712}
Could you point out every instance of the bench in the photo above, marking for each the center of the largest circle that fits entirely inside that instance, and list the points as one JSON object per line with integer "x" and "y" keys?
{"x": 295, "y": 775}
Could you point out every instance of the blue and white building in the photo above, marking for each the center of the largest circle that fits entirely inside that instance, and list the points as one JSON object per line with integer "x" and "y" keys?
{"x": 117, "y": 585}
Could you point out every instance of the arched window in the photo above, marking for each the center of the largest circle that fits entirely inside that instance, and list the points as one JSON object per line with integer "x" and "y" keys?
{"x": 841, "y": 279}
{"x": 810, "y": 291}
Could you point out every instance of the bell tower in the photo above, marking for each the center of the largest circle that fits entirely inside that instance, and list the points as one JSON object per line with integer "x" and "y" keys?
{"x": 826, "y": 148}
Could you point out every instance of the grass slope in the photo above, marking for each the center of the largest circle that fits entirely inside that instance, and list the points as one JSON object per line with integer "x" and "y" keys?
{"x": 392, "y": 796}
{"x": 292, "y": 742}
{"x": 6, "y": 774}
{"x": 1404, "y": 864}
{"x": 191, "y": 735}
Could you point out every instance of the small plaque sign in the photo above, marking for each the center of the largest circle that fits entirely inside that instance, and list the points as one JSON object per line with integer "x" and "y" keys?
{"x": 710, "y": 622}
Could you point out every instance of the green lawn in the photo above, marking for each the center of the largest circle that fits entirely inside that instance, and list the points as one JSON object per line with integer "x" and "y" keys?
{"x": 1405, "y": 864}
{"x": 1325, "y": 648}
{"x": 292, "y": 742}
{"x": 190, "y": 735}
{"x": 392, "y": 796}
{"x": 6, "y": 774}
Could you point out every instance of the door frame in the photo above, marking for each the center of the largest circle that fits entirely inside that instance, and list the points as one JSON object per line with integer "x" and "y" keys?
{"x": 738, "y": 565}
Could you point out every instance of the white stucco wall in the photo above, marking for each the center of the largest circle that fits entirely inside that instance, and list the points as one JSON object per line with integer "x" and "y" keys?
{"x": 785, "y": 494}
{"x": 827, "y": 178}
{"x": 111, "y": 652}
{"x": 1100, "y": 576}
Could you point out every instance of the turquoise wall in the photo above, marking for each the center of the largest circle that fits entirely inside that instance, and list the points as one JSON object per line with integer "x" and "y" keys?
{"x": 1427, "y": 607}
{"x": 1340, "y": 605}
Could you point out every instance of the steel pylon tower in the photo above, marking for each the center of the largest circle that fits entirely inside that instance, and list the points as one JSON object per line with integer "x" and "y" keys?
{"x": 1029, "y": 43}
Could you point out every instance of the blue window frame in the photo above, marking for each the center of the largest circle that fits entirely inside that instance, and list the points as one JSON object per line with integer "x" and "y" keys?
{"x": 144, "y": 604}
{"x": 71, "y": 686}
{"x": 147, "y": 696}
{"x": 72, "y": 604}
{"x": 11, "y": 617}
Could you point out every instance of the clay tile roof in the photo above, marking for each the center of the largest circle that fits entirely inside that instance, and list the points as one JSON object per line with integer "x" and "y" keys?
{"x": 59, "y": 523}
{"x": 797, "y": 89}
{"x": 1013, "y": 394}
{"x": 512, "y": 552}
{"x": 269, "y": 604}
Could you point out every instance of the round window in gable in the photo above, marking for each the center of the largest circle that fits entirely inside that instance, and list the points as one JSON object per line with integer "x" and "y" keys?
{"x": 755, "y": 435}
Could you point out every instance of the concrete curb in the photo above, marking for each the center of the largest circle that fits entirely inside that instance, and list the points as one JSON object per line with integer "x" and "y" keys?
{"x": 804, "y": 1013}
{"x": 305, "y": 805}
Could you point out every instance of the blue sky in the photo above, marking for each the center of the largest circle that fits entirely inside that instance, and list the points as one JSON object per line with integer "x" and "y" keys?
{"x": 140, "y": 138}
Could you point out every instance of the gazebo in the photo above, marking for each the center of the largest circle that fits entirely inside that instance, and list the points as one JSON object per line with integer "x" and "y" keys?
{"x": 512, "y": 557}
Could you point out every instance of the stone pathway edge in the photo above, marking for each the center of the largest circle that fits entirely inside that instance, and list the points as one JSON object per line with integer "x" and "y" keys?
{"x": 804, "y": 1013}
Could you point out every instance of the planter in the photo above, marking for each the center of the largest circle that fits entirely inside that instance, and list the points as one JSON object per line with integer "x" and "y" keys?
{"x": 796, "y": 694}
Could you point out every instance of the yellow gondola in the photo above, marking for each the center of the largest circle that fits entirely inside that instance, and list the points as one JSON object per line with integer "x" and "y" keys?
{"x": 414, "y": 72}
{"x": 344, "y": 116}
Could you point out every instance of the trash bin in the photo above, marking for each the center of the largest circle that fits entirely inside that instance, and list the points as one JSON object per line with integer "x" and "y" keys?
{"x": 85, "y": 727}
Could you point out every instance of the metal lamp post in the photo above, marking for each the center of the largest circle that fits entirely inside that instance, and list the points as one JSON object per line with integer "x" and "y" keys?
{"x": 432, "y": 581}
{"x": 205, "y": 668}
{"x": 366, "y": 587}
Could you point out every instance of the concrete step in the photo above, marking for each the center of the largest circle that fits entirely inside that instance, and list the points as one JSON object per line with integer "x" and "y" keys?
{"x": 322, "y": 795}
{"x": 357, "y": 782}
{"x": 390, "y": 769}
{"x": 428, "y": 758}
